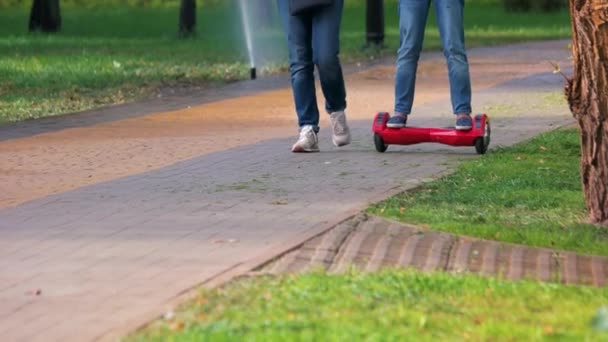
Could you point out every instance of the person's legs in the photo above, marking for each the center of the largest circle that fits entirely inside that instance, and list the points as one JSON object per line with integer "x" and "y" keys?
{"x": 450, "y": 19}
{"x": 412, "y": 20}
{"x": 299, "y": 39}
{"x": 326, "y": 48}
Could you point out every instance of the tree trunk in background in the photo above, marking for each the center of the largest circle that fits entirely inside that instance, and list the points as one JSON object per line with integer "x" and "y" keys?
{"x": 187, "y": 18}
{"x": 374, "y": 22}
{"x": 45, "y": 16}
{"x": 587, "y": 93}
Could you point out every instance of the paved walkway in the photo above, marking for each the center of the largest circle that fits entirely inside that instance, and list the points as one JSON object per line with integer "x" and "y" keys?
{"x": 107, "y": 222}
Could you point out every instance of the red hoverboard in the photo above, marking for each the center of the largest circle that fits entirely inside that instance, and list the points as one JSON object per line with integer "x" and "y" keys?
{"x": 478, "y": 136}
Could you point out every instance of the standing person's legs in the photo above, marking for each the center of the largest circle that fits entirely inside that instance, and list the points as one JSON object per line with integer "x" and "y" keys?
{"x": 412, "y": 21}
{"x": 326, "y": 49}
{"x": 450, "y": 19}
{"x": 301, "y": 67}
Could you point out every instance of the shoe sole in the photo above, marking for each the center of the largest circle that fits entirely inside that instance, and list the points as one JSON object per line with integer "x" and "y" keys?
{"x": 303, "y": 150}
{"x": 395, "y": 125}
{"x": 463, "y": 128}
{"x": 340, "y": 144}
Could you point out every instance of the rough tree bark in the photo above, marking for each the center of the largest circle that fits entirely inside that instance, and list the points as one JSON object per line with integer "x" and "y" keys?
{"x": 45, "y": 16}
{"x": 587, "y": 93}
{"x": 187, "y": 18}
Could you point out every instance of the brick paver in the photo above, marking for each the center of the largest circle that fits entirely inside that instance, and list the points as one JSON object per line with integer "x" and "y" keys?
{"x": 98, "y": 260}
{"x": 370, "y": 242}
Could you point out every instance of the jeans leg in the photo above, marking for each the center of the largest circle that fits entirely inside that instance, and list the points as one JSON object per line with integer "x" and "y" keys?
{"x": 450, "y": 19}
{"x": 326, "y": 49}
{"x": 301, "y": 67}
{"x": 412, "y": 20}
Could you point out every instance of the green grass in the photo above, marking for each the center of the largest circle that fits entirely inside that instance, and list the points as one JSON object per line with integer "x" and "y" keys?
{"x": 387, "y": 306}
{"x": 114, "y": 54}
{"x": 528, "y": 194}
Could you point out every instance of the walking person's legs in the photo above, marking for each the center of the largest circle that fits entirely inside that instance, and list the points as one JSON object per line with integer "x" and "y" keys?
{"x": 326, "y": 49}
{"x": 301, "y": 68}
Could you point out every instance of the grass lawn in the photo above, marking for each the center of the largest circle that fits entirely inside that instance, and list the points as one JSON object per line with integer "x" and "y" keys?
{"x": 528, "y": 194}
{"x": 114, "y": 54}
{"x": 388, "y": 306}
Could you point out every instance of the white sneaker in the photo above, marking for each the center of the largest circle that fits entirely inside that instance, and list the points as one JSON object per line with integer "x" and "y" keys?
{"x": 308, "y": 141}
{"x": 340, "y": 130}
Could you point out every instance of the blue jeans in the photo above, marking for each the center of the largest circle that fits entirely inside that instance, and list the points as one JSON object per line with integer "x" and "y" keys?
{"x": 314, "y": 39}
{"x": 412, "y": 22}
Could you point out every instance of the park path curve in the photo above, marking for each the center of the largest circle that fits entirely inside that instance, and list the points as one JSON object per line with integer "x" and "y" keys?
{"x": 108, "y": 223}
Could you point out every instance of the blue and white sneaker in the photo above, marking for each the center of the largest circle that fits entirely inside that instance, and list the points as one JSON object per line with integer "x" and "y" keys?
{"x": 397, "y": 121}
{"x": 464, "y": 122}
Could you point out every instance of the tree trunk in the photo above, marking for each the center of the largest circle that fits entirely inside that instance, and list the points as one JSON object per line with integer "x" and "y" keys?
{"x": 45, "y": 16}
{"x": 374, "y": 22}
{"x": 187, "y": 18}
{"x": 587, "y": 93}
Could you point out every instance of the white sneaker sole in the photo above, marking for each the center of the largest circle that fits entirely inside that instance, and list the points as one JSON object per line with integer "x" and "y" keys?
{"x": 300, "y": 149}
{"x": 340, "y": 143}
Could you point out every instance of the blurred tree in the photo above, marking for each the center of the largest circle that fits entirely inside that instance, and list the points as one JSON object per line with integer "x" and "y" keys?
{"x": 536, "y": 5}
{"x": 187, "y": 18}
{"x": 587, "y": 93}
{"x": 375, "y": 22}
{"x": 45, "y": 16}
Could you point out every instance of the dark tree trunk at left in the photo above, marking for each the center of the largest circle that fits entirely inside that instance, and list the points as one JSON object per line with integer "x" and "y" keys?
{"x": 187, "y": 18}
{"x": 45, "y": 16}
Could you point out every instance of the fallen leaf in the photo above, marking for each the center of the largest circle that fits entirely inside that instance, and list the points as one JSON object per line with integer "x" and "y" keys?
{"x": 36, "y": 292}
{"x": 548, "y": 329}
{"x": 556, "y": 69}
{"x": 177, "y": 326}
{"x": 169, "y": 315}
{"x": 543, "y": 148}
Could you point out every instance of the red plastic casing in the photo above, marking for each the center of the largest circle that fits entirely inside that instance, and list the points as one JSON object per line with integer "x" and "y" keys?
{"x": 417, "y": 135}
